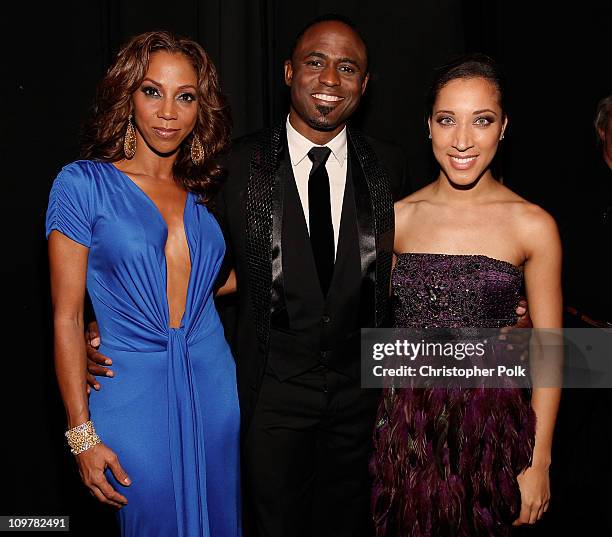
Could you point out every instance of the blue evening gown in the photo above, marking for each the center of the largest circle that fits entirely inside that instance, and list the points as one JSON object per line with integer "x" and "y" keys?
{"x": 171, "y": 411}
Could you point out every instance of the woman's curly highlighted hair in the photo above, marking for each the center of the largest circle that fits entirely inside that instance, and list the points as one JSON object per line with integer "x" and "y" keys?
{"x": 105, "y": 132}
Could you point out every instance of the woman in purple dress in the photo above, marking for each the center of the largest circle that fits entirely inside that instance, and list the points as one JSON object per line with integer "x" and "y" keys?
{"x": 467, "y": 462}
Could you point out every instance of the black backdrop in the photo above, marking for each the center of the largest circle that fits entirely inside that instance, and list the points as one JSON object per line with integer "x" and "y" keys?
{"x": 556, "y": 59}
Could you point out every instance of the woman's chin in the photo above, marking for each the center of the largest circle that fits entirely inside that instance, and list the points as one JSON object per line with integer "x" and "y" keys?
{"x": 463, "y": 181}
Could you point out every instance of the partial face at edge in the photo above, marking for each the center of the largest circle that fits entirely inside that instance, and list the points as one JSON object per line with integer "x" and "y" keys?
{"x": 166, "y": 103}
{"x": 605, "y": 135}
{"x": 327, "y": 76}
{"x": 466, "y": 125}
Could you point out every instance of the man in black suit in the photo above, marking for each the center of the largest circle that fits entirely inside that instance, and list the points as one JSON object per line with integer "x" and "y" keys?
{"x": 308, "y": 218}
{"x": 307, "y": 213}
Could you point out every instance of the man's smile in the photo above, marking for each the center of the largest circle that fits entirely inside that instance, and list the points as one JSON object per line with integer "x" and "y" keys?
{"x": 327, "y": 98}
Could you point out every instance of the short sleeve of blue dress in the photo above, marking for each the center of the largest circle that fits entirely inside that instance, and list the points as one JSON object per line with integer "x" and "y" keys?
{"x": 69, "y": 210}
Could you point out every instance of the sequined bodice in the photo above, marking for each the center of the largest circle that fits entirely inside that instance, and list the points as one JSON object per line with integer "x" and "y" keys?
{"x": 440, "y": 290}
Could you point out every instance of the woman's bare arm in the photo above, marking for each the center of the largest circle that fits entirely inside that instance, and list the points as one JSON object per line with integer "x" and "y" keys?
{"x": 68, "y": 267}
{"x": 543, "y": 286}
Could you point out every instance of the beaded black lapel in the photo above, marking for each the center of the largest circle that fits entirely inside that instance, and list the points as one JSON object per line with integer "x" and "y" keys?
{"x": 259, "y": 207}
{"x": 381, "y": 216}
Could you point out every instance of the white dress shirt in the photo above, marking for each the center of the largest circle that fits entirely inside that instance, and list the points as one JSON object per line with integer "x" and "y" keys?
{"x": 336, "y": 170}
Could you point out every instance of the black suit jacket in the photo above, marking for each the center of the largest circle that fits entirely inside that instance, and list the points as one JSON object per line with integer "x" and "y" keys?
{"x": 252, "y": 210}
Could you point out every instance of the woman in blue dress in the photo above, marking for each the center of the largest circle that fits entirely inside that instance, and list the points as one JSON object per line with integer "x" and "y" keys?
{"x": 130, "y": 225}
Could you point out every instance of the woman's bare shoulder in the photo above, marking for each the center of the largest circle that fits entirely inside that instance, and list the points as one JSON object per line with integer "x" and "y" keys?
{"x": 406, "y": 206}
{"x": 536, "y": 223}
{"x": 530, "y": 221}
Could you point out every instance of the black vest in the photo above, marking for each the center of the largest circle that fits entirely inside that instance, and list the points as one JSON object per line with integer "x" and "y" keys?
{"x": 292, "y": 329}
{"x": 312, "y": 329}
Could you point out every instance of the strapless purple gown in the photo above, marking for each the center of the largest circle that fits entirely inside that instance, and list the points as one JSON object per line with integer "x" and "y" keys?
{"x": 446, "y": 459}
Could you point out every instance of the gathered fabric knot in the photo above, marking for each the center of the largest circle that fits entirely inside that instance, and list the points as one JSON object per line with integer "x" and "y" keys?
{"x": 185, "y": 425}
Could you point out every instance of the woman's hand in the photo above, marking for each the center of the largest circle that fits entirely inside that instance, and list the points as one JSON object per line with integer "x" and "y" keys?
{"x": 92, "y": 463}
{"x": 534, "y": 485}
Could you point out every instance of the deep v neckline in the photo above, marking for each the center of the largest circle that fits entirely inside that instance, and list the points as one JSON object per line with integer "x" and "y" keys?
{"x": 139, "y": 190}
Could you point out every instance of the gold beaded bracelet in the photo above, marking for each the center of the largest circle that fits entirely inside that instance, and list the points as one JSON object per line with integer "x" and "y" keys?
{"x": 82, "y": 437}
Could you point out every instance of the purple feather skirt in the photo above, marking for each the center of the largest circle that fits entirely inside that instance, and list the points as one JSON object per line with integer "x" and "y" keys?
{"x": 446, "y": 460}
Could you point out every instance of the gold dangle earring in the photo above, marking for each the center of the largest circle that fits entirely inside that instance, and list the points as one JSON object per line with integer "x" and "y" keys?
{"x": 197, "y": 151}
{"x": 129, "y": 141}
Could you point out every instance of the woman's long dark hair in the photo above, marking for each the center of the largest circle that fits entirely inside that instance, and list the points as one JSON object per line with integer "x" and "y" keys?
{"x": 105, "y": 132}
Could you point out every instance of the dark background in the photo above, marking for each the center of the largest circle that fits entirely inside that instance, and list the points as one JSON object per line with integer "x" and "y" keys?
{"x": 558, "y": 64}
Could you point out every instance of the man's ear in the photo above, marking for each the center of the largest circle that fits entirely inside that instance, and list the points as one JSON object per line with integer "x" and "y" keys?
{"x": 601, "y": 133}
{"x": 364, "y": 83}
{"x": 288, "y": 66}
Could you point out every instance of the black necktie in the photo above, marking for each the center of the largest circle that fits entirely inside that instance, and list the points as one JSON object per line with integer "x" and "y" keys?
{"x": 319, "y": 217}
